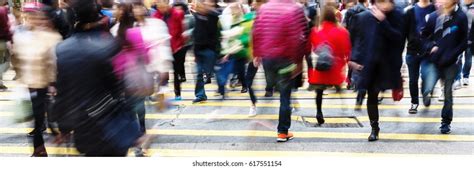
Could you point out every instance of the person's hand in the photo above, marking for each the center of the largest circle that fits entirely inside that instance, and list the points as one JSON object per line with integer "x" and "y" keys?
{"x": 257, "y": 61}
{"x": 356, "y": 66}
{"x": 434, "y": 50}
{"x": 224, "y": 59}
{"x": 378, "y": 14}
{"x": 52, "y": 90}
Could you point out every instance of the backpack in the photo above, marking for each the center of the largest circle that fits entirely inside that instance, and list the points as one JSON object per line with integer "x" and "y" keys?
{"x": 323, "y": 55}
{"x": 130, "y": 65}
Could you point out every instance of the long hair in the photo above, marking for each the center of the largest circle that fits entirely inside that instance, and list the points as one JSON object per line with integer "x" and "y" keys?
{"x": 328, "y": 14}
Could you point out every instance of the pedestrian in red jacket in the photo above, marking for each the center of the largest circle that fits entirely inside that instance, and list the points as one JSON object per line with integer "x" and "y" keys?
{"x": 279, "y": 41}
{"x": 5, "y": 36}
{"x": 337, "y": 37}
{"x": 174, "y": 18}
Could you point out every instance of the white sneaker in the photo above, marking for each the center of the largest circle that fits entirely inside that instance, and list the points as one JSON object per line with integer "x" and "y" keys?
{"x": 441, "y": 97}
{"x": 457, "y": 85}
{"x": 465, "y": 82}
{"x": 253, "y": 111}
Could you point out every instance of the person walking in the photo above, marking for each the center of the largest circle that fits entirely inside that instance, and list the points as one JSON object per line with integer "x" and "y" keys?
{"x": 335, "y": 39}
{"x": 382, "y": 43}
{"x": 5, "y": 38}
{"x": 280, "y": 47}
{"x": 445, "y": 37}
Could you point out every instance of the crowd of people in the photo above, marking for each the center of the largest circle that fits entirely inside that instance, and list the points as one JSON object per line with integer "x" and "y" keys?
{"x": 101, "y": 59}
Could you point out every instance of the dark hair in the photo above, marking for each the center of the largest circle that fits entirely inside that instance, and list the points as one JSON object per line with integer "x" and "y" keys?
{"x": 85, "y": 10}
{"x": 126, "y": 21}
{"x": 374, "y": 1}
{"x": 362, "y": 1}
{"x": 328, "y": 14}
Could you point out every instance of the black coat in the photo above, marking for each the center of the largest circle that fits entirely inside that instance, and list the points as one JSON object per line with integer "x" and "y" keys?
{"x": 381, "y": 47}
{"x": 88, "y": 99}
{"x": 451, "y": 45}
{"x": 413, "y": 36}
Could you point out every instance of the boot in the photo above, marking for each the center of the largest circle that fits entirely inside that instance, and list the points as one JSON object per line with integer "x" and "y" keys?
{"x": 40, "y": 152}
{"x": 320, "y": 118}
{"x": 374, "y": 135}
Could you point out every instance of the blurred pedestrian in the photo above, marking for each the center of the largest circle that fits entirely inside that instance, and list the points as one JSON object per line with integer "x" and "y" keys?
{"x": 468, "y": 8}
{"x": 89, "y": 98}
{"x": 5, "y": 38}
{"x": 34, "y": 51}
{"x": 415, "y": 19}
{"x": 446, "y": 37}
{"x": 206, "y": 43}
{"x": 331, "y": 40}
{"x": 382, "y": 44}
{"x": 174, "y": 19}
{"x": 279, "y": 42}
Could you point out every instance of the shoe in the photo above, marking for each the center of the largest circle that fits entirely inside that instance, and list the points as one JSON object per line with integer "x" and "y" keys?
{"x": 426, "y": 100}
{"x": 441, "y": 97}
{"x": 445, "y": 128}
{"x": 320, "y": 119}
{"x": 413, "y": 109}
{"x": 178, "y": 98}
{"x": 380, "y": 100}
{"x": 268, "y": 94}
{"x": 32, "y": 133}
{"x": 40, "y": 152}
{"x": 3, "y": 88}
{"x": 284, "y": 137}
{"x": 253, "y": 111}
{"x": 199, "y": 100}
{"x": 374, "y": 135}
{"x": 465, "y": 82}
{"x": 457, "y": 85}
{"x": 139, "y": 152}
{"x": 244, "y": 90}
{"x": 207, "y": 79}
{"x": 182, "y": 79}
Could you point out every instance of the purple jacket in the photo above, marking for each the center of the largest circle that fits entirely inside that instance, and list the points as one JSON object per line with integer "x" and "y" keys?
{"x": 279, "y": 31}
{"x": 5, "y": 33}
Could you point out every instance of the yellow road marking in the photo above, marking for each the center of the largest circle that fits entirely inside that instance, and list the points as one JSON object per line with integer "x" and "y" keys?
{"x": 294, "y": 118}
{"x": 233, "y": 103}
{"x": 222, "y": 153}
{"x": 260, "y": 133}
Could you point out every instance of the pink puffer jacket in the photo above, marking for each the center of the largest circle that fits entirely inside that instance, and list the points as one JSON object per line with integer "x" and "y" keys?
{"x": 279, "y": 31}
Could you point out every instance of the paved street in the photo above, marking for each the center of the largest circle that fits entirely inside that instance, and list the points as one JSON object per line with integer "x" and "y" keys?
{"x": 222, "y": 128}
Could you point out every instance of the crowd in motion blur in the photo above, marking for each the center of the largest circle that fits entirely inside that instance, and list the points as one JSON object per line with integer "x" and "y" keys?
{"x": 90, "y": 65}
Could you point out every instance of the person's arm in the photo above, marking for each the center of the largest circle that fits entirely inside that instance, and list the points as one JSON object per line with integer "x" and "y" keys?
{"x": 393, "y": 30}
{"x": 462, "y": 37}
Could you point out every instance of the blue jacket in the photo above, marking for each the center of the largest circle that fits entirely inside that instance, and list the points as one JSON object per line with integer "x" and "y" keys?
{"x": 452, "y": 44}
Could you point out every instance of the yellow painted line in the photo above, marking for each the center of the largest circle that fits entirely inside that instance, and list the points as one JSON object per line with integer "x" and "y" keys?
{"x": 298, "y": 118}
{"x": 222, "y": 153}
{"x": 233, "y": 103}
{"x": 272, "y": 134}
{"x": 332, "y": 135}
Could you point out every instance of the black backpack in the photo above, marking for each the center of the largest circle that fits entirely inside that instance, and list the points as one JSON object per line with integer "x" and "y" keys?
{"x": 323, "y": 55}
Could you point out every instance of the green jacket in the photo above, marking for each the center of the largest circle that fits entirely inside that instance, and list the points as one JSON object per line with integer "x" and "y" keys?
{"x": 246, "y": 38}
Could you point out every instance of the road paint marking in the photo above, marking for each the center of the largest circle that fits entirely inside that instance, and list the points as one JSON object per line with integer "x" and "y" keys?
{"x": 272, "y": 134}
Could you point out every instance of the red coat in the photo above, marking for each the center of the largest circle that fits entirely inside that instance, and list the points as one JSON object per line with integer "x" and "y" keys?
{"x": 338, "y": 39}
{"x": 279, "y": 31}
{"x": 175, "y": 27}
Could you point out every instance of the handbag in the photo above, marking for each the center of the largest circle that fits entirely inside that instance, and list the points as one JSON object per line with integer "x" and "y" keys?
{"x": 397, "y": 93}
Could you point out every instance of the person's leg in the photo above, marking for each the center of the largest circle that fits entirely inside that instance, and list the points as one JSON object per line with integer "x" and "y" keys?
{"x": 223, "y": 75}
{"x": 270, "y": 83}
{"x": 429, "y": 77}
{"x": 141, "y": 112}
{"x": 466, "y": 70}
{"x": 251, "y": 72}
{"x": 38, "y": 99}
{"x": 199, "y": 91}
{"x": 413, "y": 63}
{"x": 448, "y": 74}
{"x": 373, "y": 112}
{"x": 180, "y": 60}
{"x": 239, "y": 67}
{"x": 319, "y": 102}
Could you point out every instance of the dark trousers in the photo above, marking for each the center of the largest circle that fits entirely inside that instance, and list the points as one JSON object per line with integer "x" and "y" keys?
{"x": 179, "y": 72}
{"x": 373, "y": 106}
{"x": 249, "y": 77}
{"x": 205, "y": 60}
{"x": 223, "y": 72}
{"x": 38, "y": 101}
{"x": 414, "y": 65}
{"x": 448, "y": 75}
{"x": 319, "y": 102}
{"x": 465, "y": 69}
{"x": 239, "y": 70}
{"x": 285, "y": 85}
{"x": 137, "y": 105}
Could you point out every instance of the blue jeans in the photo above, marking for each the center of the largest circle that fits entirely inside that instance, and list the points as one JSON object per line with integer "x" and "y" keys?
{"x": 285, "y": 84}
{"x": 466, "y": 69}
{"x": 205, "y": 61}
{"x": 223, "y": 72}
{"x": 448, "y": 74}
{"x": 429, "y": 77}
{"x": 414, "y": 64}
